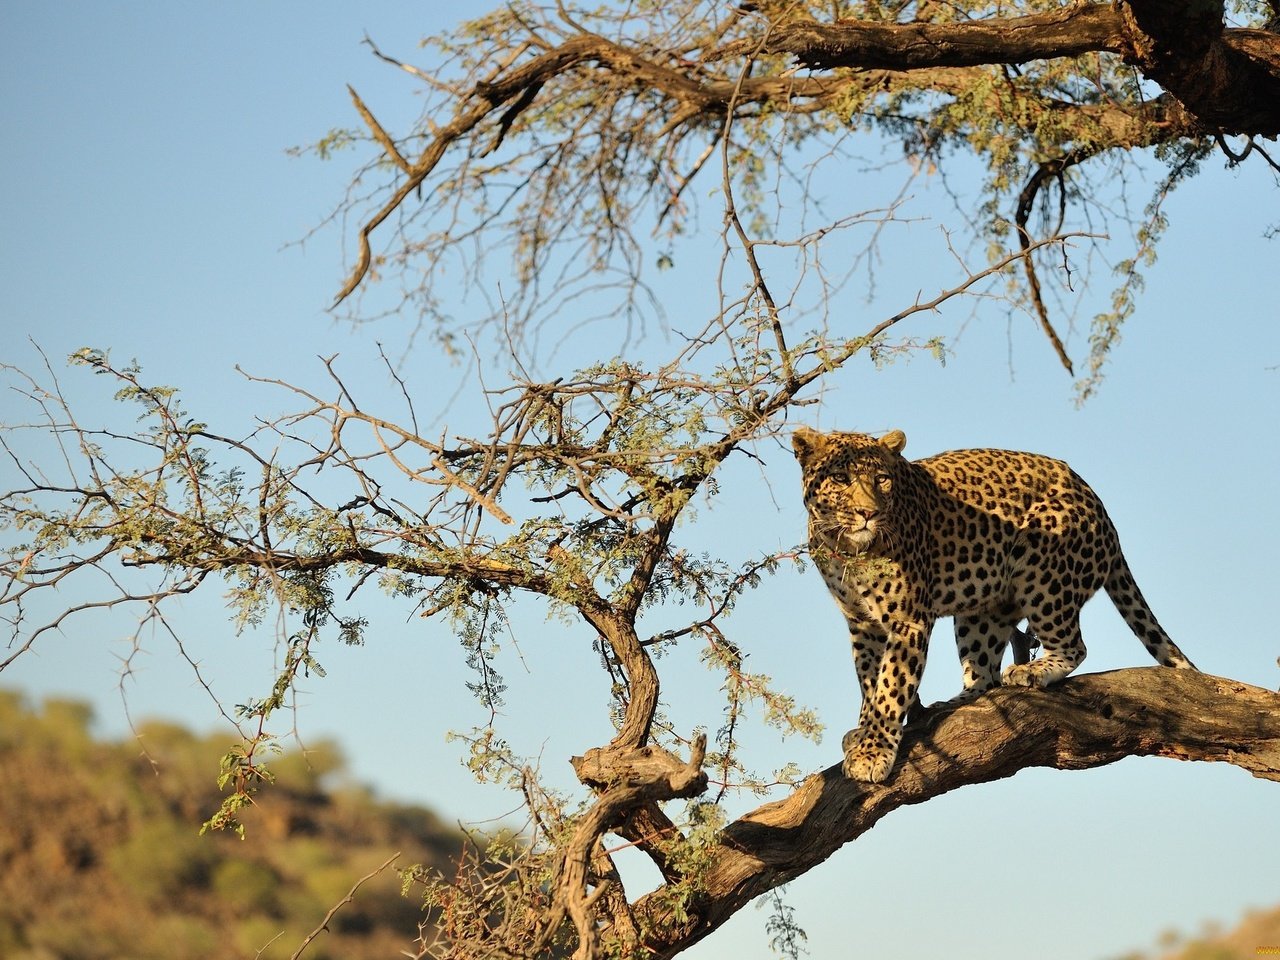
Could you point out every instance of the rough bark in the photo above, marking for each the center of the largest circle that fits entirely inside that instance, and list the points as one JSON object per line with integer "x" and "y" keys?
{"x": 863, "y": 45}
{"x": 1087, "y": 721}
{"x": 1229, "y": 80}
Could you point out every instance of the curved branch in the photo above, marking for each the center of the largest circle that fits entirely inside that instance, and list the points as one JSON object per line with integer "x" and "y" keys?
{"x": 1087, "y": 721}
{"x": 1052, "y": 169}
{"x": 628, "y": 779}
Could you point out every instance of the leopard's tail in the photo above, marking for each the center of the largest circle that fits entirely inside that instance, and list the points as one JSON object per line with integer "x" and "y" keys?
{"x": 1124, "y": 593}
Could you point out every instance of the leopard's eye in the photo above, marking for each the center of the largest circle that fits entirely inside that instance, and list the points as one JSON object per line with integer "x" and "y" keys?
{"x": 884, "y": 481}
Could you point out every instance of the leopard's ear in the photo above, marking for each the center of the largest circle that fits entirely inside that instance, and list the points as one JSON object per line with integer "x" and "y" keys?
{"x": 895, "y": 441}
{"x": 807, "y": 444}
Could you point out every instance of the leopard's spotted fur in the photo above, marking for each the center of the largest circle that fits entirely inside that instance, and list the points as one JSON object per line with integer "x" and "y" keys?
{"x": 989, "y": 537}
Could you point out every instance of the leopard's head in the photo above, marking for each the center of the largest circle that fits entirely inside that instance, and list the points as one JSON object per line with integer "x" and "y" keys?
{"x": 849, "y": 481}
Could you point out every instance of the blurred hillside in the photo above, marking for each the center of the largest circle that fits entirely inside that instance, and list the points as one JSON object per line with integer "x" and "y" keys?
{"x": 100, "y": 857}
{"x": 1257, "y": 935}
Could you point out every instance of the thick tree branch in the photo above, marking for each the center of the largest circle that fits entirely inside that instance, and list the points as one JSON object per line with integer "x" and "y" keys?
{"x": 1229, "y": 80}
{"x": 1087, "y": 721}
{"x": 1069, "y": 32}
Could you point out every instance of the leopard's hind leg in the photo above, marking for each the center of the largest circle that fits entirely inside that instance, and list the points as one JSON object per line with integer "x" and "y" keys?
{"x": 981, "y": 639}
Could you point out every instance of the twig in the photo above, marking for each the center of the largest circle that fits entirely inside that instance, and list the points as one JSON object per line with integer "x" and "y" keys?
{"x": 324, "y": 924}
{"x": 379, "y": 134}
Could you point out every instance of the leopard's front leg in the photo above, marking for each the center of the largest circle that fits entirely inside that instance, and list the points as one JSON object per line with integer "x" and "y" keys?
{"x": 871, "y": 749}
{"x": 867, "y": 642}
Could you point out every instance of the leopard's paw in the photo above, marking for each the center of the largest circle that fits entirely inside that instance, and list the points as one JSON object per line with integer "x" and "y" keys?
{"x": 868, "y": 761}
{"x": 1021, "y": 675}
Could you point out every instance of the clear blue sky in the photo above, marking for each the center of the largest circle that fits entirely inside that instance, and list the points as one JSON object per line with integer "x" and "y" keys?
{"x": 147, "y": 206}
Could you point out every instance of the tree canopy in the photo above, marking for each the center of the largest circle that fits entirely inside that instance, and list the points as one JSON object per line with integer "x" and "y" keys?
{"x": 559, "y": 135}
{"x": 579, "y": 149}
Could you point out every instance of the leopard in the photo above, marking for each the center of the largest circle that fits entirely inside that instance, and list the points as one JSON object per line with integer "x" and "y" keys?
{"x": 988, "y": 537}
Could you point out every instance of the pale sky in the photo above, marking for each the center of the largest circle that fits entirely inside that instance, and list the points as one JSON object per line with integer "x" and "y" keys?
{"x": 149, "y": 208}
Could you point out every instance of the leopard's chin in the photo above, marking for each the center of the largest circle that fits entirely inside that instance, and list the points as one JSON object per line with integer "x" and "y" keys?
{"x": 857, "y": 541}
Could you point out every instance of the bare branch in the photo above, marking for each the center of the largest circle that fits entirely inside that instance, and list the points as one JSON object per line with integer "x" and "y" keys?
{"x": 333, "y": 911}
{"x": 379, "y": 134}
